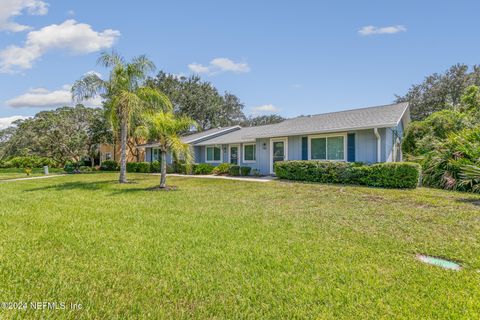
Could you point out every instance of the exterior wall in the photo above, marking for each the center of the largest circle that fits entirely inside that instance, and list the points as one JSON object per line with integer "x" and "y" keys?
{"x": 114, "y": 151}
{"x": 365, "y": 146}
{"x": 148, "y": 156}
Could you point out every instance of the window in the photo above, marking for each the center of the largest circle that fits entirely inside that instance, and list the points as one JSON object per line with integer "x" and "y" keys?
{"x": 327, "y": 148}
{"x": 155, "y": 154}
{"x": 107, "y": 156}
{"x": 214, "y": 154}
{"x": 249, "y": 152}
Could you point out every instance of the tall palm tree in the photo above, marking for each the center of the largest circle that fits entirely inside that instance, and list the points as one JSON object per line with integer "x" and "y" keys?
{"x": 124, "y": 93}
{"x": 165, "y": 128}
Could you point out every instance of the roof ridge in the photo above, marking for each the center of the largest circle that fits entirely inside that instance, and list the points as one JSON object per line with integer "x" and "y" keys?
{"x": 348, "y": 110}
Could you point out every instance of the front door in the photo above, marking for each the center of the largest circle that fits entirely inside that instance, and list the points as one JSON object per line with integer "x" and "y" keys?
{"x": 234, "y": 155}
{"x": 278, "y": 151}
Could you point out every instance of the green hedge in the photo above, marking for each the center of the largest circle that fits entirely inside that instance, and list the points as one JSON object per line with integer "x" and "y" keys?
{"x": 245, "y": 171}
{"x": 109, "y": 165}
{"x": 234, "y": 171}
{"x": 222, "y": 168}
{"x": 386, "y": 175}
{"x": 29, "y": 162}
{"x": 203, "y": 168}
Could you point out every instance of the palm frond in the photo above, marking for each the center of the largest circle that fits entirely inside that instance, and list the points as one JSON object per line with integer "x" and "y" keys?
{"x": 87, "y": 87}
{"x": 154, "y": 99}
{"x": 110, "y": 59}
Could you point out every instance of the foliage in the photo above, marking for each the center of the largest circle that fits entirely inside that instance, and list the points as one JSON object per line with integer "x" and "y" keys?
{"x": 442, "y": 167}
{"x": 440, "y": 91}
{"x": 64, "y": 134}
{"x": 386, "y": 175}
{"x": 200, "y": 100}
{"x": 203, "y": 168}
{"x": 423, "y": 136}
{"x": 125, "y": 95}
{"x": 222, "y": 168}
{"x": 132, "y": 166}
{"x": 155, "y": 167}
{"x": 234, "y": 170}
{"x": 29, "y": 162}
{"x": 245, "y": 171}
{"x": 470, "y": 177}
{"x": 143, "y": 167}
{"x": 109, "y": 165}
{"x": 262, "y": 120}
{"x": 28, "y": 171}
{"x": 165, "y": 128}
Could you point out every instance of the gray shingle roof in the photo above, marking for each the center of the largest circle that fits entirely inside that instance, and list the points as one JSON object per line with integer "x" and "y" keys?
{"x": 356, "y": 119}
{"x": 208, "y": 133}
{"x": 365, "y": 118}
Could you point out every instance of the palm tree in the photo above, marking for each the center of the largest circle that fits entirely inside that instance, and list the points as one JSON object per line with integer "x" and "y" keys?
{"x": 165, "y": 128}
{"x": 124, "y": 93}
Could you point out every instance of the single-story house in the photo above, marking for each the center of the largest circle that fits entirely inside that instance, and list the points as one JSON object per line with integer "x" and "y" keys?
{"x": 367, "y": 135}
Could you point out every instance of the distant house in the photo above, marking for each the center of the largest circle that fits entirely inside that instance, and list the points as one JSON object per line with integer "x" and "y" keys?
{"x": 367, "y": 135}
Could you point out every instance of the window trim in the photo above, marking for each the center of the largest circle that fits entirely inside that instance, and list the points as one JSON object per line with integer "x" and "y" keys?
{"x": 332, "y": 135}
{"x": 221, "y": 153}
{"x": 243, "y": 153}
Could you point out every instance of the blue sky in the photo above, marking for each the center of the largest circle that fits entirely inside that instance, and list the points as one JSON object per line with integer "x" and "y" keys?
{"x": 291, "y": 57}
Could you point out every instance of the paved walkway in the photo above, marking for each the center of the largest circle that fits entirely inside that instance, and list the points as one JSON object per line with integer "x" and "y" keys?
{"x": 253, "y": 179}
{"x": 33, "y": 178}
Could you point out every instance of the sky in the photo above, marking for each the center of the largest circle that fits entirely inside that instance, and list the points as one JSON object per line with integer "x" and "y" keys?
{"x": 287, "y": 57}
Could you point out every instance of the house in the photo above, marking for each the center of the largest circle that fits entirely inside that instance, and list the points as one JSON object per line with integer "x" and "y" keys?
{"x": 111, "y": 151}
{"x": 367, "y": 135}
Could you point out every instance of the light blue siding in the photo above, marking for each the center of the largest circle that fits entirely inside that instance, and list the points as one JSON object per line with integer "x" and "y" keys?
{"x": 295, "y": 148}
{"x": 365, "y": 146}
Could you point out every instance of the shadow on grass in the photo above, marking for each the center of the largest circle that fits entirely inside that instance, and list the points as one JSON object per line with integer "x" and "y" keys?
{"x": 475, "y": 202}
{"x": 110, "y": 185}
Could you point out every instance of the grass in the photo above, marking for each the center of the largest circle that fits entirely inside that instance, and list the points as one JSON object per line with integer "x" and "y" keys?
{"x": 233, "y": 249}
{"x": 14, "y": 173}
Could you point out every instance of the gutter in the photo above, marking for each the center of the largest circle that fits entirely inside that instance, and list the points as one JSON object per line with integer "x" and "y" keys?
{"x": 379, "y": 144}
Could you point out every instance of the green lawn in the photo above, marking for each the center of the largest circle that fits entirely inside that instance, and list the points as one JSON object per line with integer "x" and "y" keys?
{"x": 14, "y": 173}
{"x": 231, "y": 249}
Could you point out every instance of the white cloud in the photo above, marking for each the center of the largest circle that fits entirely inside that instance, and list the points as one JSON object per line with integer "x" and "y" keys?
{"x": 218, "y": 65}
{"x": 12, "y": 8}
{"x": 371, "y": 30}
{"x": 44, "y": 98}
{"x": 266, "y": 108}
{"x": 6, "y": 122}
{"x": 76, "y": 38}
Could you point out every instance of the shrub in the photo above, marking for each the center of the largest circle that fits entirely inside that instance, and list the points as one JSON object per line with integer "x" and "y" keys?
{"x": 84, "y": 169}
{"x": 203, "y": 168}
{"x": 234, "y": 171}
{"x": 132, "y": 166}
{"x": 109, "y": 165}
{"x": 222, "y": 168}
{"x": 28, "y": 171}
{"x": 155, "y": 167}
{"x": 170, "y": 169}
{"x": 387, "y": 175}
{"x": 143, "y": 167}
{"x": 393, "y": 175}
{"x": 30, "y": 162}
{"x": 69, "y": 167}
{"x": 245, "y": 171}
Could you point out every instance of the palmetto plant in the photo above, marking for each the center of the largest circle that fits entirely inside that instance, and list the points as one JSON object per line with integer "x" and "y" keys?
{"x": 125, "y": 95}
{"x": 471, "y": 176}
{"x": 165, "y": 128}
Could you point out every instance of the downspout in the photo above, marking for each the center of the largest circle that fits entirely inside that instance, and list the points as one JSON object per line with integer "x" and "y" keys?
{"x": 379, "y": 144}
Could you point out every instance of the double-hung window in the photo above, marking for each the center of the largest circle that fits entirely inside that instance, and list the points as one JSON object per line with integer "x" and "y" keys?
{"x": 249, "y": 152}
{"x": 327, "y": 148}
{"x": 213, "y": 154}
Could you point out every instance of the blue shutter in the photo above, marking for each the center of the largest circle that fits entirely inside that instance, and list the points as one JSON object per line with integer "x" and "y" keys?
{"x": 304, "y": 148}
{"x": 351, "y": 147}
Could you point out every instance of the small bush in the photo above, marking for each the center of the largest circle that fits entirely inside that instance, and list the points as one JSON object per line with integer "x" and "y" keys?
{"x": 143, "y": 167}
{"x": 155, "y": 167}
{"x": 203, "y": 168}
{"x": 234, "y": 171}
{"x": 109, "y": 165}
{"x": 30, "y": 162}
{"x": 170, "y": 169}
{"x": 387, "y": 175}
{"x": 222, "y": 168}
{"x": 132, "y": 166}
{"x": 245, "y": 171}
{"x": 84, "y": 169}
{"x": 69, "y": 167}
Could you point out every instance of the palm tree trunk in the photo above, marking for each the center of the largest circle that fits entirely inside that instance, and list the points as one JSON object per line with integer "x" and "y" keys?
{"x": 123, "y": 151}
{"x": 163, "y": 175}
